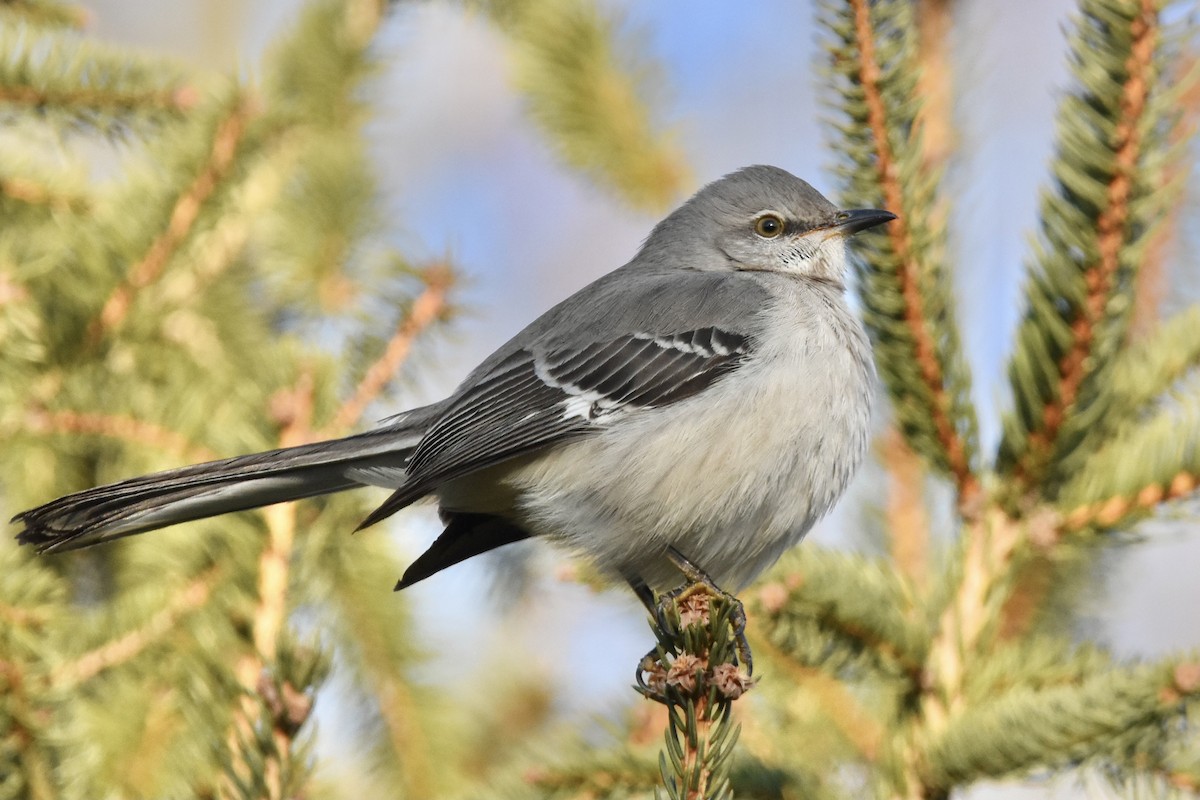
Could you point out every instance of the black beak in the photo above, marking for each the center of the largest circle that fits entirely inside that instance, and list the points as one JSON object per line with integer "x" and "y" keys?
{"x": 859, "y": 219}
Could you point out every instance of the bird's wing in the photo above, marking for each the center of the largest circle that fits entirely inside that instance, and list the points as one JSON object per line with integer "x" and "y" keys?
{"x": 532, "y": 399}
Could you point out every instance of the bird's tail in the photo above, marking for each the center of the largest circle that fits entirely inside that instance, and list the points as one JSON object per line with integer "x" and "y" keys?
{"x": 149, "y": 502}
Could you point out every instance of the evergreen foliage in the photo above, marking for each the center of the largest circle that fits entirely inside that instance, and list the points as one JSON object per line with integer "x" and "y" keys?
{"x": 240, "y": 234}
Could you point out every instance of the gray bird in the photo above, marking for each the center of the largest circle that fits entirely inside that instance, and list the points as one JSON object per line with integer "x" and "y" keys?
{"x": 702, "y": 405}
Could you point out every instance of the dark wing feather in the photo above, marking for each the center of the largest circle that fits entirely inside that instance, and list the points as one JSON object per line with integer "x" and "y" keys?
{"x": 530, "y": 400}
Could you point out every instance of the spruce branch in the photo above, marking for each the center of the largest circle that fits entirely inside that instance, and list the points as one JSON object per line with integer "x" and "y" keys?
{"x": 76, "y": 83}
{"x": 429, "y": 306}
{"x": 989, "y": 546}
{"x": 1103, "y": 718}
{"x": 836, "y": 611}
{"x": 115, "y": 426}
{"x": 1096, "y": 221}
{"x": 1153, "y": 462}
{"x": 584, "y": 93}
{"x": 269, "y": 761}
{"x": 28, "y": 191}
{"x": 186, "y": 211}
{"x": 47, "y": 13}
{"x": 843, "y": 711}
{"x": 935, "y": 85}
{"x": 905, "y": 285}
{"x": 382, "y": 638}
{"x": 132, "y": 643}
{"x": 908, "y": 521}
{"x": 694, "y": 673}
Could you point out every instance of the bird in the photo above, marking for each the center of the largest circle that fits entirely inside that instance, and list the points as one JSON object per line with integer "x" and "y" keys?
{"x": 697, "y": 409}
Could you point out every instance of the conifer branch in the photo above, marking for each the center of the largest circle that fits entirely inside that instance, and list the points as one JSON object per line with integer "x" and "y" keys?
{"x": 429, "y": 306}
{"x": 838, "y": 704}
{"x": 46, "y": 12}
{"x": 906, "y": 292}
{"x": 186, "y": 211}
{"x": 935, "y": 85}
{"x": 694, "y": 673}
{"x": 830, "y": 609}
{"x": 1110, "y": 194}
{"x": 1097, "y": 719}
{"x": 990, "y": 544}
{"x": 1101, "y": 276}
{"x": 131, "y": 644}
{"x": 116, "y": 426}
{"x": 588, "y": 101}
{"x": 292, "y": 410}
{"x": 907, "y": 519}
{"x": 23, "y": 736}
{"x": 30, "y": 192}
{"x": 62, "y": 76}
{"x": 384, "y": 641}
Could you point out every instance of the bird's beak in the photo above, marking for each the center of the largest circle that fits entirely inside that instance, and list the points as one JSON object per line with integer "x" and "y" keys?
{"x": 854, "y": 220}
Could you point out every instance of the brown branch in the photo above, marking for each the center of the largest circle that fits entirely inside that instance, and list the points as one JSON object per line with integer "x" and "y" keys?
{"x": 116, "y": 426}
{"x": 1099, "y": 278}
{"x": 838, "y": 704}
{"x": 426, "y": 310}
{"x": 991, "y": 542}
{"x": 908, "y": 269}
{"x": 32, "y": 193}
{"x": 182, "y": 99}
{"x": 934, "y": 83}
{"x": 1151, "y": 280}
{"x": 292, "y": 409}
{"x": 1109, "y": 513}
{"x": 907, "y": 520}
{"x": 127, "y": 647}
{"x": 187, "y": 210}
{"x": 24, "y": 723}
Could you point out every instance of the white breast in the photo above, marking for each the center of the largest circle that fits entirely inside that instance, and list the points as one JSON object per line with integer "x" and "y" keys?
{"x": 730, "y": 477}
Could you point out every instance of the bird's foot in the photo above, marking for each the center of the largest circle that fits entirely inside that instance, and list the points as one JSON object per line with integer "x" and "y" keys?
{"x": 696, "y": 625}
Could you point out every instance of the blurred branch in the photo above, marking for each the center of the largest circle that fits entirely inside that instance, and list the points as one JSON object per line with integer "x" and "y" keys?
{"x": 131, "y": 644}
{"x": 116, "y": 426}
{"x": 585, "y": 95}
{"x": 935, "y": 85}
{"x": 839, "y": 707}
{"x": 183, "y": 216}
{"x": 990, "y": 543}
{"x": 31, "y": 192}
{"x": 905, "y": 286}
{"x": 426, "y": 310}
{"x": 907, "y": 520}
{"x": 46, "y": 12}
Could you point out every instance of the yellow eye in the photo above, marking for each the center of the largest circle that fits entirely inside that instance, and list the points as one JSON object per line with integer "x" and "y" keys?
{"x": 768, "y": 226}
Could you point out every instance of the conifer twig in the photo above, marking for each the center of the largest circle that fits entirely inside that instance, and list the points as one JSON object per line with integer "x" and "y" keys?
{"x": 116, "y": 426}
{"x": 293, "y": 410}
{"x": 186, "y": 211}
{"x": 990, "y": 543}
{"x": 935, "y": 82}
{"x": 1114, "y": 510}
{"x": 1100, "y": 277}
{"x": 693, "y": 672}
{"x": 128, "y": 646}
{"x": 30, "y": 192}
{"x": 428, "y": 307}
{"x": 908, "y": 268}
{"x": 840, "y": 707}
{"x": 907, "y": 520}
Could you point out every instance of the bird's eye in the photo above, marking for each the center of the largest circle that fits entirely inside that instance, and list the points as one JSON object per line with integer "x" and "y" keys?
{"x": 768, "y": 226}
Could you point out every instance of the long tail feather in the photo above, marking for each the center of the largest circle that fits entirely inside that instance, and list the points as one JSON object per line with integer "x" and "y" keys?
{"x": 234, "y": 484}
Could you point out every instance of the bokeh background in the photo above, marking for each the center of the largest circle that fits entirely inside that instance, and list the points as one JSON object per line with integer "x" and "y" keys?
{"x": 465, "y": 175}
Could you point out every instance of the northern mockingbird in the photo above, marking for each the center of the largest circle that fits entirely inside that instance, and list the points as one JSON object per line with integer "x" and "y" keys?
{"x": 705, "y": 403}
